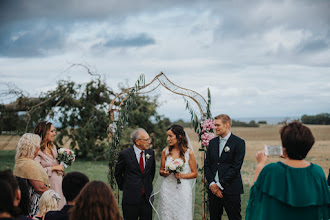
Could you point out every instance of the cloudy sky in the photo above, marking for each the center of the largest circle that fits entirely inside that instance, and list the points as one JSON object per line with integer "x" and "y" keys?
{"x": 258, "y": 58}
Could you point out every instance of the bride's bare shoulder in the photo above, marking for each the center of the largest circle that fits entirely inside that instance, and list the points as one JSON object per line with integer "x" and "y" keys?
{"x": 165, "y": 150}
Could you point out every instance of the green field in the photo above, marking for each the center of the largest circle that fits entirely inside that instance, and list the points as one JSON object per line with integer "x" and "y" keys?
{"x": 98, "y": 170}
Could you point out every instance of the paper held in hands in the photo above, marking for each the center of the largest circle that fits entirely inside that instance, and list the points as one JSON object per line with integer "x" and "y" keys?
{"x": 273, "y": 150}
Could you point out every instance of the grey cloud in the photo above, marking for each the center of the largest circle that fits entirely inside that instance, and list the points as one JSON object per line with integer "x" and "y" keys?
{"x": 313, "y": 46}
{"x": 31, "y": 40}
{"x": 138, "y": 41}
{"x": 15, "y": 10}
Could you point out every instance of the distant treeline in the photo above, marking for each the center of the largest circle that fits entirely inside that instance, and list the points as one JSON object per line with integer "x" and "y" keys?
{"x": 244, "y": 124}
{"x": 234, "y": 123}
{"x": 320, "y": 119}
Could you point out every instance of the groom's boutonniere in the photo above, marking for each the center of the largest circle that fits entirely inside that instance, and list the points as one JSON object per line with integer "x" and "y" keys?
{"x": 227, "y": 149}
{"x": 147, "y": 156}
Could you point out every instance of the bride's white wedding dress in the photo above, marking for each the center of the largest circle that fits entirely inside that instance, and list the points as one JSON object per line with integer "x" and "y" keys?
{"x": 175, "y": 200}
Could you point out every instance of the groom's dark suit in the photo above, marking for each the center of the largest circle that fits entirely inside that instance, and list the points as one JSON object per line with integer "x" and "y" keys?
{"x": 131, "y": 181}
{"x": 228, "y": 166}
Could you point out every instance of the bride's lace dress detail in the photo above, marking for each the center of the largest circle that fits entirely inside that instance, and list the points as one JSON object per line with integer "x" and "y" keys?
{"x": 175, "y": 201}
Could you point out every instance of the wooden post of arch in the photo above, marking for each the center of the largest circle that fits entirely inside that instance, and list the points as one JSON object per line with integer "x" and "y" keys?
{"x": 201, "y": 103}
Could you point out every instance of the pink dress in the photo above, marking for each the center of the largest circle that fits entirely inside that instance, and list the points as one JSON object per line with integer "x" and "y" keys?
{"x": 55, "y": 179}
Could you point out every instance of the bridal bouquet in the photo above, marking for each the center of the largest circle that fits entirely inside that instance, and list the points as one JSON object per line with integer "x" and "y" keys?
{"x": 65, "y": 156}
{"x": 175, "y": 166}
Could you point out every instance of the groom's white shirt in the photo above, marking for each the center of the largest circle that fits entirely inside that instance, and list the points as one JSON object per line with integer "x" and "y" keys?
{"x": 226, "y": 138}
{"x": 137, "y": 152}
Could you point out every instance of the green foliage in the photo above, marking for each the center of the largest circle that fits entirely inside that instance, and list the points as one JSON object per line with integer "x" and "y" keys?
{"x": 12, "y": 121}
{"x": 262, "y": 122}
{"x": 81, "y": 110}
{"x": 320, "y": 119}
{"x": 244, "y": 124}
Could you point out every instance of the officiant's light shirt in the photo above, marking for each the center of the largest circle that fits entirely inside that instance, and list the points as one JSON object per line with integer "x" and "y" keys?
{"x": 137, "y": 152}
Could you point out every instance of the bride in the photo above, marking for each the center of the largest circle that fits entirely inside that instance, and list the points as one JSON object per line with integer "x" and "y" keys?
{"x": 176, "y": 190}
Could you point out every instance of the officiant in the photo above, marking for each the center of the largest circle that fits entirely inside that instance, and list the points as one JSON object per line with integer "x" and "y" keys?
{"x": 134, "y": 173}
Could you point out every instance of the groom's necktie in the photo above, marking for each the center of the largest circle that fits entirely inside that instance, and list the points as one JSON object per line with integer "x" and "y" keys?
{"x": 221, "y": 145}
{"x": 142, "y": 167}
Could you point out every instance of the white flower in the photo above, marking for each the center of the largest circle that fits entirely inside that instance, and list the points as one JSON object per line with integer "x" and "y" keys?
{"x": 227, "y": 149}
{"x": 172, "y": 166}
{"x": 147, "y": 156}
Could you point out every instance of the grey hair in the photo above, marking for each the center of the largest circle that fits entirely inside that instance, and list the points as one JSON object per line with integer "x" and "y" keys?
{"x": 136, "y": 134}
{"x": 27, "y": 145}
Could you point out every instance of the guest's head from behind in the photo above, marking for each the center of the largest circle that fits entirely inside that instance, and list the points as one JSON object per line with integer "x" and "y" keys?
{"x": 7, "y": 208}
{"x": 222, "y": 125}
{"x": 141, "y": 139}
{"x": 7, "y": 175}
{"x": 297, "y": 140}
{"x": 95, "y": 201}
{"x": 47, "y": 132}
{"x": 48, "y": 202}
{"x": 25, "y": 202}
{"x": 72, "y": 184}
{"x": 28, "y": 146}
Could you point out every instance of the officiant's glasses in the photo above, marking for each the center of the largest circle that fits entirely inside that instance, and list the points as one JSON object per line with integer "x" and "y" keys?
{"x": 148, "y": 139}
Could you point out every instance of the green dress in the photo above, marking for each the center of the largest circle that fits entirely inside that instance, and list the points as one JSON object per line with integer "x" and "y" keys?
{"x": 283, "y": 192}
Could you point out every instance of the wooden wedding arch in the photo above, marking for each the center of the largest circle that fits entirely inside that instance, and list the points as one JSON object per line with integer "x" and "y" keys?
{"x": 118, "y": 117}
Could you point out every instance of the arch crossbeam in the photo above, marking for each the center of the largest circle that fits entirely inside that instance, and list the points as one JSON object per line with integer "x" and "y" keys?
{"x": 160, "y": 80}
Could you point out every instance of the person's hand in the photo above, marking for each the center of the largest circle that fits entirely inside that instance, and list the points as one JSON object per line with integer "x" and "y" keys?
{"x": 219, "y": 194}
{"x": 165, "y": 173}
{"x": 178, "y": 175}
{"x": 214, "y": 188}
{"x": 261, "y": 157}
{"x": 60, "y": 173}
{"x": 58, "y": 168}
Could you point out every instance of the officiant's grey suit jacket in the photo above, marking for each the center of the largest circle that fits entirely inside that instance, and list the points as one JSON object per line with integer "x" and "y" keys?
{"x": 129, "y": 176}
{"x": 228, "y": 164}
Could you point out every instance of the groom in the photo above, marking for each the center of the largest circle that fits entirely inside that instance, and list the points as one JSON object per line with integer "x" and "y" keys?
{"x": 224, "y": 159}
{"x": 134, "y": 173}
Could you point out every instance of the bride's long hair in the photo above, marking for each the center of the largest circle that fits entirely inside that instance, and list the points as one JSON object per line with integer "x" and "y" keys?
{"x": 180, "y": 135}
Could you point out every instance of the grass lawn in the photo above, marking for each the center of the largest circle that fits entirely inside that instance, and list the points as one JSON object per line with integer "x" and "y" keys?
{"x": 98, "y": 170}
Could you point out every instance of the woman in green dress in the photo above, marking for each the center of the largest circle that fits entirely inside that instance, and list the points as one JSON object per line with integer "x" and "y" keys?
{"x": 292, "y": 189}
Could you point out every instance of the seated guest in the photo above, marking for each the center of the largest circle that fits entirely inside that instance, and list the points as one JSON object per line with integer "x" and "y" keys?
{"x": 292, "y": 189}
{"x": 48, "y": 202}
{"x": 72, "y": 184}
{"x": 7, "y": 209}
{"x": 95, "y": 201}
{"x": 25, "y": 167}
{"x": 7, "y": 175}
{"x": 25, "y": 203}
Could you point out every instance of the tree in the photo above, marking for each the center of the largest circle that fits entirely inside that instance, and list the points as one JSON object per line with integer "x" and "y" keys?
{"x": 81, "y": 112}
{"x": 144, "y": 115}
{"x": 321, "y": 119}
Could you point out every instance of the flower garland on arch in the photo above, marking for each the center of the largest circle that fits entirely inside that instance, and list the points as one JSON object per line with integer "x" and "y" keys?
{"x": 207, "y": 131}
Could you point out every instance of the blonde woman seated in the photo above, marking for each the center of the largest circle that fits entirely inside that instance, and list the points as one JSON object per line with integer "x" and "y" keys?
{"x": 25, "y": 167}
{"x": 48, "y": 202}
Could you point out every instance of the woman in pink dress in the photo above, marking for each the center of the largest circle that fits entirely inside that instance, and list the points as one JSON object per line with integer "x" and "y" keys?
{"x": 47, "y": 158}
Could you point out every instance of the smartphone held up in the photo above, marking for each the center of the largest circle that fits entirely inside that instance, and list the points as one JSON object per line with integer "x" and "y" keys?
{"x": 273, "y": 150}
